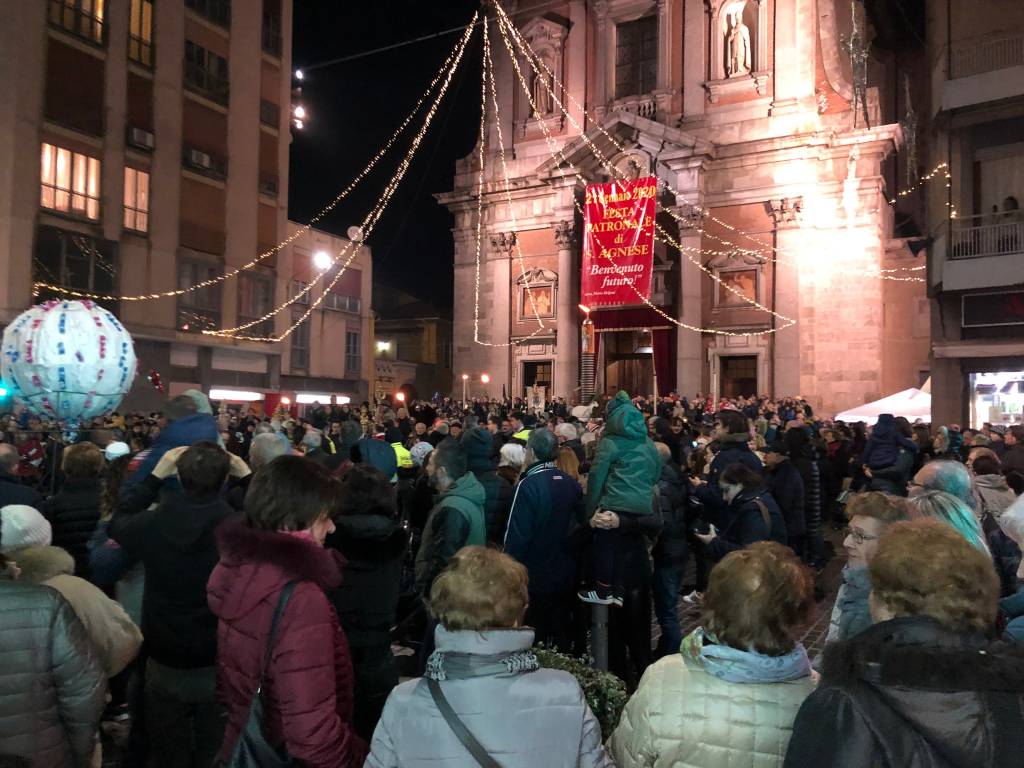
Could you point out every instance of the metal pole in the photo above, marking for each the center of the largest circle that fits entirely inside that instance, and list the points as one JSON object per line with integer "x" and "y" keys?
{"x": 599, "y": 636}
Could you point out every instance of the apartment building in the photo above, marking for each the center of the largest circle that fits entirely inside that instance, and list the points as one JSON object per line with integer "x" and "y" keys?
{"x": 412, "y": 345}
{"x": 976, "y": 262}
{"x": 144, "y": 148}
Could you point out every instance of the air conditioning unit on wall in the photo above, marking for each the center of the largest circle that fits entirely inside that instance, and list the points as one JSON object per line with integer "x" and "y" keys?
{"x": 142, "y": 139}
{"x": 199, "y": 159}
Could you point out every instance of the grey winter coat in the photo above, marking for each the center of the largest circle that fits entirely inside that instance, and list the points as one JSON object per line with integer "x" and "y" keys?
{"x": 52, "y": 685}
{"x": 524, "y": 719}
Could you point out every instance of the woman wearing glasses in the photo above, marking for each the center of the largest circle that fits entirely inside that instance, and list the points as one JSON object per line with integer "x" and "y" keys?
{"x": 870, "y": 514}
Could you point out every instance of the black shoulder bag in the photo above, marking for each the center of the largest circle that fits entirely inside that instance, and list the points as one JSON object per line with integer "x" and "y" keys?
{"x": 474, "y": 747}
{"x": 252, "y": 750}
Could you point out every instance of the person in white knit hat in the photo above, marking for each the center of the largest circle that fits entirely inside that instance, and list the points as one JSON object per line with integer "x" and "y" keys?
{"x": 23, "y": 526}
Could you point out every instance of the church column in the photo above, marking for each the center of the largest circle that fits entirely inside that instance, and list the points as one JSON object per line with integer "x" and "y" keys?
{"x": 694, "y": 30}
{"x": 663, "y": 94}
{"x": 689, "y": 346}
{"x": 794, "y": 56}
{"x": 567, "y": 357}
{"x": 576, "y": 61}
{"x": 499, "y": 267}
{"x": 601, "y": 59}
{"x": 790, "y": 242}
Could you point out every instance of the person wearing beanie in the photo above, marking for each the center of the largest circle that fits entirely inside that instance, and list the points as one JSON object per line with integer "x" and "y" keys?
{"x": 25, "y": 538}
{"x": 497, "y": 489}
{"x": 420, "y": 452}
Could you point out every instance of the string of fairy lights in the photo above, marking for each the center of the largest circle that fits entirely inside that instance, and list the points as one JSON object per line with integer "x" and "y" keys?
{"x": 551, "y": 83}
{"x": 228, "y": 275}
{"x": 528, "y": 54}
{"x": 435, "y": 92}
{"x": 368, "y": 223}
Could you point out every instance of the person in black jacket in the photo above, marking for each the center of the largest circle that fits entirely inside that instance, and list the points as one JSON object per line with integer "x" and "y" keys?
{"x": 805, "y": 457}
{"x": 787, "y": 488}
{"x": 922, "y": 687}
{"x": 75, "y": 510}
{"x": 733, "y": 436}
{"x": 670, "y": 552}
{"x": 12, "y": 490}
{"x": 752, "y": 514}
{"x": 547, "y": 510}
{"x": 498, "y": 490}
{"x": 368, "y": 534}
{"x": 175, "y": 542}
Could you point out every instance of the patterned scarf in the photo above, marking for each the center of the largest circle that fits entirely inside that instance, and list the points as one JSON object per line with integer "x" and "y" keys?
{"x": 452, "y": 665}
{"x": 735, "y": 666}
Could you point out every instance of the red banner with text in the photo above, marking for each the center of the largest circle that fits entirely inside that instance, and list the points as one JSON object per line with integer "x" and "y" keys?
{"x": 618, "y": 243}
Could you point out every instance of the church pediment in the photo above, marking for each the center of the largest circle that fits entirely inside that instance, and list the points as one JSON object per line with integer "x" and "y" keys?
{"x": 641, "y": 138}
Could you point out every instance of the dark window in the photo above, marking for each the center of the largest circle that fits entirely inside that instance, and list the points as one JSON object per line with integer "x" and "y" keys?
{"x": 298, "y": 286}
{"x": 353, "y": 353}
{"x": 82, "y": 18}
{"x": 270, "y": 113}
{"x": 255, "y": 299}
{"x": 272, "y": 27}
{"x": 198, "y": 310}
{"x": 140, "y": 32}
{"x": 300, "y": 340}
{"x": 206, "y": 73}
{"x": 985, "y": 309}
{"x": 636, "y": 57}
{"x": 76, "y": 261}
{"x": 537, "y": 374}
{"x": 217, "y": 11}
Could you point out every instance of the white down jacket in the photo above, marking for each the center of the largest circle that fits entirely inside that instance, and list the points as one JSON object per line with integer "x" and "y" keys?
{"x": 528, "y": 719}
{"x": 683, "y": 717}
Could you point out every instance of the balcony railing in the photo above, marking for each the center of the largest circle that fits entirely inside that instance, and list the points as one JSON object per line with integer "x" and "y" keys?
{"x": 641, "y": 106}
{"x": 975, "y": 57}
{"x": 987, "y": 235}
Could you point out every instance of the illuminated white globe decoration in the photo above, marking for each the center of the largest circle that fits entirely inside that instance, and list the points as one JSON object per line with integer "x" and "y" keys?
{"x": 68, "y": 360}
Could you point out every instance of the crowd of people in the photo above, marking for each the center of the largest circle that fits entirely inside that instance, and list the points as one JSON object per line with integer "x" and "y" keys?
{"x": 236, "y": 588}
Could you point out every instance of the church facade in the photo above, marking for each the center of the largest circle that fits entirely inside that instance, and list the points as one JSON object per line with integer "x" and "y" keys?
{"x": 775, "y": 161}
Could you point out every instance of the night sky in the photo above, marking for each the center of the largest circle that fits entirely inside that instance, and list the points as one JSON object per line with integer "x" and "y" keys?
{"x": 355, "y": 106}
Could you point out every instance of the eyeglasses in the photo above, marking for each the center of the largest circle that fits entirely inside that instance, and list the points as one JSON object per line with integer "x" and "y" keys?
{"x": 859, "y": 537}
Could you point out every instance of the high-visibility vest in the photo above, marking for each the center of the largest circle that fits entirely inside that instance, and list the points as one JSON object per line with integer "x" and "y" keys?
{"x": 403, "y": 456}
{"x": 523, "y": 435}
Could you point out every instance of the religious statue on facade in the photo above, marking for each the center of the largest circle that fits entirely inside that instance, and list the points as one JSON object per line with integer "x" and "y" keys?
{"x": 737, "y": 45}
{"x": 541, "y": 93}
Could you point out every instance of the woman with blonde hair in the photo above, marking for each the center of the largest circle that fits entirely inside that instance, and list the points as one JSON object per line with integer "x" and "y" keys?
{"x": 568, "y": 463}
{"x": 729, "y": 697}
{"x": 484, "y": 697}
{"x": 923, "y": 686}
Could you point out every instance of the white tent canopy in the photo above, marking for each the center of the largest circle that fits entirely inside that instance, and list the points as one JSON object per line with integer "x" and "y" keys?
{"x": 911, "y": 403}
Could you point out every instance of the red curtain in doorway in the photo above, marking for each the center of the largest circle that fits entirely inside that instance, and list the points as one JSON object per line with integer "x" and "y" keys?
{"x": 643, "y": 319}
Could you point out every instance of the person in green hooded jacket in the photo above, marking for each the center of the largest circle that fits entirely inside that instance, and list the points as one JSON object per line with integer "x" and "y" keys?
{"x": 622, "y": 479}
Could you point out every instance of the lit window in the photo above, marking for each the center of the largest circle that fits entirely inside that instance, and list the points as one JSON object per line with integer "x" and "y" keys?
{"x": 69, "y": 182}
{"x": 140, "y": 32}
{"x": 83, "y": 18}
{"x": 136, "y": 200}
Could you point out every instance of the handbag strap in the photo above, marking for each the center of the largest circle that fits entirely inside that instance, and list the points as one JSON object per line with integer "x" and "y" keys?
{"x": 459, "y": 728}
{"x": 764, "y": 514}
{"x": 282, "y": 601}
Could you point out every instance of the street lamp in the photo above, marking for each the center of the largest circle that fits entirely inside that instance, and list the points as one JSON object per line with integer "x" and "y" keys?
{"x": 400, "y": 397}
{"x": 485, "y": 378}
{"x": 465, "y": 383}
{"x": 322, "y": 260}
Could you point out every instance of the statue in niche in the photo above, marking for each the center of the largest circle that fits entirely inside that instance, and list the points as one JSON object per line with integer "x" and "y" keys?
{"x": 737, "y": 45}
{"x": 541, "y": 89}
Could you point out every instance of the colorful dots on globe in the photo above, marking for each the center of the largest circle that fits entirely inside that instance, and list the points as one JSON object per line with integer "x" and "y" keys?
{"x": 68, "y": 360}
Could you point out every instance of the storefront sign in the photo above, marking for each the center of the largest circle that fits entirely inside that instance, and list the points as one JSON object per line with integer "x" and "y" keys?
{"x": 618, "y": 243}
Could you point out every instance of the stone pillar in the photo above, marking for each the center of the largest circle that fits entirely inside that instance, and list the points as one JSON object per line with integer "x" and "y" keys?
{"x": 790, "y": 240}
{"x": 115, "y": 99}
{"x": 601, "y": 58}
{"x": 499, "y": 271}
{"x": 794, "y": 56}
{"x": 575, "y": 80}
{"x": 694, "y": 30}
{"x": 567, "y": 358}
{"x": 663, "y": 94}
{"x": 689, "y": 346}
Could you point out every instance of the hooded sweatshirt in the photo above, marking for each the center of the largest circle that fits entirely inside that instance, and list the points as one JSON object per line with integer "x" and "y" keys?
{"x": 884, "y": 444}
{"x": 627, "y": 466}
{"x": 456, "y": 521}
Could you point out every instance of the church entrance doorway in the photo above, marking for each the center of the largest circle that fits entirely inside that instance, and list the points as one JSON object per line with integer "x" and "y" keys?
{"x": 628, "y": 362}
{"x": 739, "y": 375}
